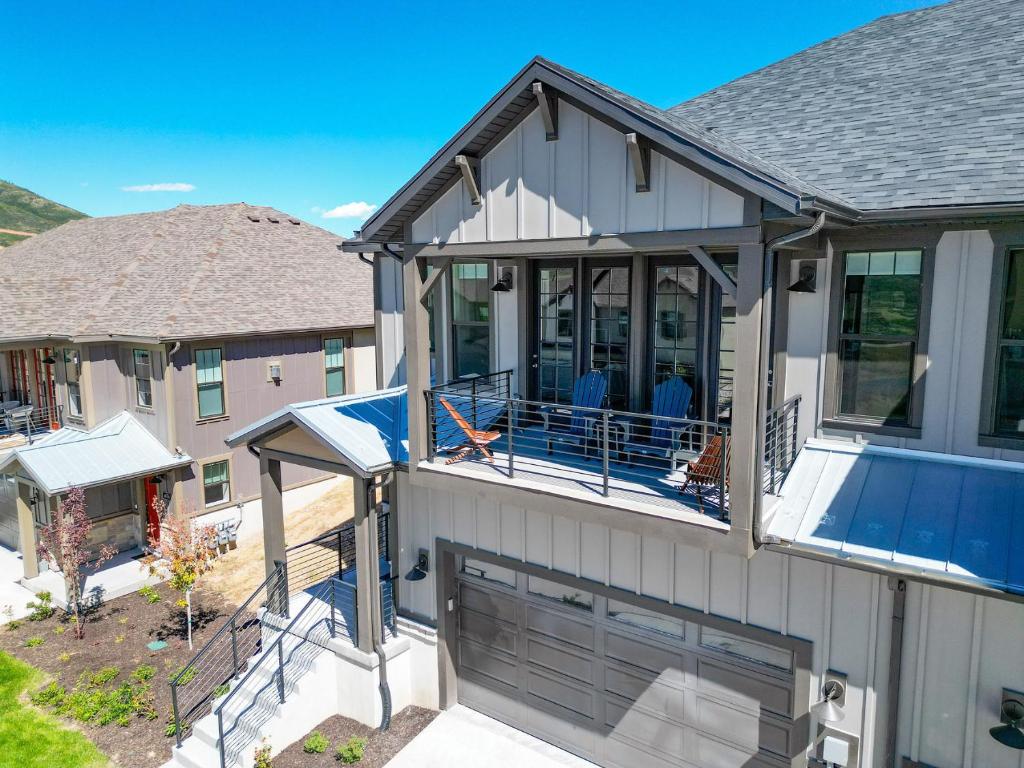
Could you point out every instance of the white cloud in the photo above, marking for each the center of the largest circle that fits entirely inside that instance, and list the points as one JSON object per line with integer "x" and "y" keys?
{"x": 169, "y": 186}
{"x": 359, "y": 210}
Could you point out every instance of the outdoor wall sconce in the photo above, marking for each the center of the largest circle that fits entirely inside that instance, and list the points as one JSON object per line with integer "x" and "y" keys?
{"x": 422, "y": 567}
{"x": 1011, "y": 715}
{"x": 808, "y": 276}
{"x": 830, "y": 708}
{"x": 504, "y": 284}
{"x": 48, "y": 360}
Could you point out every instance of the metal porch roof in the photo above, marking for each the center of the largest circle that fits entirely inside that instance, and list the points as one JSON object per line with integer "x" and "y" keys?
{"x": 118, "y": 449}
{"x": 369, "y": 432}
{"x": 951, "y": 518}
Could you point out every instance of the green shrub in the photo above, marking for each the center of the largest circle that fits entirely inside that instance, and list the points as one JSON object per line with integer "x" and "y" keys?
{"x": 103, "y": 676}
{"x": 150, "y": 594}
{"x": 261, "y": 757}
{"x": 143, "y": 673}
{"x": 352, "y": 750}
{"x": 52, "y": 695}
{"x": 64, "y": 657}
{"x": 42, "y": 607}
{"x": 171, "y": 729}
{"x": 60, "y": 629}
{"x": 221, "y": 690}
{"x": 94, "y": 700}
{"x": 34, "y": 642}
{"x": 315, "y": 744}
{"x": 13, "y": 625}
{"x": 188, "y": 677}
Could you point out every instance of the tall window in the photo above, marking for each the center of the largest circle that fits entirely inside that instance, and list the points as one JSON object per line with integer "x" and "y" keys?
{"x": 334, "y": 364}
{"x": 216, "y": 483}
{"x": 556, "y": 322}
{"x": 210, "y": 382}
{"x": 471, "y": 318}
{"x": 609, "y": 330}
{"x": 676, "y": 323}
{"x": 878, "y": 335}
{"x": 143, "y": 377}
{"x": 1009, "y": 405}
{"x": 727, "y": 347}
{"x": 72, "y": 373}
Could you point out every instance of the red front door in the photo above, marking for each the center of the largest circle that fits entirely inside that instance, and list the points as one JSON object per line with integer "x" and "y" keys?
{"x": 152, "y": 519}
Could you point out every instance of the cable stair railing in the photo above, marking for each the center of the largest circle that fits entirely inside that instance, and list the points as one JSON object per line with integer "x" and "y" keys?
{"x": 198, "y": 684}
{"x": 329, "y": 612}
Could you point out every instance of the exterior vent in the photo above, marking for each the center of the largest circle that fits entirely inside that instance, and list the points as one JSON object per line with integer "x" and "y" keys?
{"x": 272, "y": 220}
{"x": 252, "y": 218}
{"x": 296, "y": 222}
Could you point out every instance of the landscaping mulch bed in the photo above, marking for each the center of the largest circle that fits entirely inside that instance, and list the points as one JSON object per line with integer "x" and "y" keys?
{"x": 381, "y": 746}
{"x": 116, "y": 635}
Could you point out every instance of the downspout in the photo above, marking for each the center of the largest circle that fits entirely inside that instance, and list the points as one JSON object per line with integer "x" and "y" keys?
{"x": 899, "y": 606}
{"x": 376, "y": 610}
{"x": 767, "y": 319}
{"x": 387, "y": 249}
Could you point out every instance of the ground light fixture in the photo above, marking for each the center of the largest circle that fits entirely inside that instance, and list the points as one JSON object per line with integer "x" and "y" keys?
{"x": 504, "y": 284}
{"x": 422, "y": 567}
{"x": 807, "y": 278}
{"x": 1010, "y": 733}
{"x": 828, "y": 709}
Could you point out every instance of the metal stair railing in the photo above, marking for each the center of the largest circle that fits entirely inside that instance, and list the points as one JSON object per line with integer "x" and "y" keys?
{"x": 320, "y": 613}
{"x": 196, "y": 686}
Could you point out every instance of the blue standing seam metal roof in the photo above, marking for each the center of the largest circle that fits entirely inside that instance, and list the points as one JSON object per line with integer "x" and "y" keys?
{"x": 117, "y": 449}
{"x": 369, "y": 432}
{"x": 953, "y": 517}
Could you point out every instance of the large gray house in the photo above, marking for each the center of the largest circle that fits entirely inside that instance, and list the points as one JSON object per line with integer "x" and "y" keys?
{"x": 704, "y": 437}
{"x": 131, "y": 346}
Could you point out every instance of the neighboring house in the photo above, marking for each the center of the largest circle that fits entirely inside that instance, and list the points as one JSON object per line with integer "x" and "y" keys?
{"x": 131, "y": 346}
{"x": 830, "y": 253}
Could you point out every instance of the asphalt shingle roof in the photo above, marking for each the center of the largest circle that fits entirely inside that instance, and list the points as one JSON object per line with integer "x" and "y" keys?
{"x": 923, "y": 108}
{"x": 186, "y": 272}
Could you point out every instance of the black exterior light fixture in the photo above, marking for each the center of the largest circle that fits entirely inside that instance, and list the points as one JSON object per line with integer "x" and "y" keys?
{"x": 48, "y": 360}
{"x": 504, "y": 284}
{"x": 1011, "y": 715}
{"x": 829, "y": 709}
{"x": 808, "y": 276}
{"x": 422, "y": 567}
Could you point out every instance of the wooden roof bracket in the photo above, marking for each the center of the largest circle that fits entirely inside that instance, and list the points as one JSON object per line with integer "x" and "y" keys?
{"x": 640, "y": 153}
{"x": 470, "y": 168}
{"x": 547, "y": 103}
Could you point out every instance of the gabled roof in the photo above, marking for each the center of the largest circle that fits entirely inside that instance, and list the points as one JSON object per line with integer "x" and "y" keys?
{"x": 191, "y": 271}
{"x": 952, "y": 518}
{"x": 923, "y": 108}
{"x": 118, "y": 449}
{"x": 368, "y": 432}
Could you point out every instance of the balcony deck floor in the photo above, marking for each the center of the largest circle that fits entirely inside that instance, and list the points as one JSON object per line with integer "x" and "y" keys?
{"x": 647, "y": 482}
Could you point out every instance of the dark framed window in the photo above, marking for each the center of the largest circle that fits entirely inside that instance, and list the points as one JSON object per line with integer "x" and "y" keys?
{"x": 471, "y": 316}
{"x": 72, "y": 374}
{"x": 216, "y": 483}
{"x": 334, "y": 366}
{"x": 555, "y": 316}
{"x": 1008, "y": 417}
{"x": 608, "y": 342}
{"x": 879, "y": 335}
{"x": 143, "y": 364}
{"x": 210, "y": 382}
{"x": 676, "y": 339}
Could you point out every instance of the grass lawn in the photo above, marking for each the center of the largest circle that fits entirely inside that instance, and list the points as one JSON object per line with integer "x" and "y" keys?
{"x": 30, "y": 738}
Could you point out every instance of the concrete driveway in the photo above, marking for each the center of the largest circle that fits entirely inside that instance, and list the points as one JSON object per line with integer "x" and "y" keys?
{"x": 11, "y": 592}
{"x": 462, "y": 737}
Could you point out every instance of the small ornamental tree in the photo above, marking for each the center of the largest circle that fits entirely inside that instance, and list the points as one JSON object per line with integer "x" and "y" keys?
{"x": 185, "y": 554}
{"x": 65, "y": 543}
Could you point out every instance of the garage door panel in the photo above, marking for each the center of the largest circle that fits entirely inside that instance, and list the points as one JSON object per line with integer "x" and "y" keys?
{"x": 578, "y": 633}
{"x": 494, "y": 700}
{"x": 561, "y": 694}
{"x": 648, "y": 692}
{"x": 560, "y": 727}
{"x": 490, "y": 603}
{"x": 740, "y": 687}
{"x": 488, "y": 631}
{"x": 637, "y": 653}
{"x": 484, "y": 661}
{"x": 623, "y": 754}
{"x": 742, "y": 726}
{"x": 635, "y": 724}
{"x": 775, "y": 736}
{"x": 712, "y": 753}
{"x": 561, "y": 661}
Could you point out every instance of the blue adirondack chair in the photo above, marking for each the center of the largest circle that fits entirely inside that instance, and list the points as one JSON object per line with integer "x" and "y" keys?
{"x": 660, "y": 434}
{"x": 569, "y": 424}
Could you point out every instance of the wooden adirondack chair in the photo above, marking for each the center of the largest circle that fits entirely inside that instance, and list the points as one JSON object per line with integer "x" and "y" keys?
{"x": 476, "y": 439}
{"x": 705, "y": 472}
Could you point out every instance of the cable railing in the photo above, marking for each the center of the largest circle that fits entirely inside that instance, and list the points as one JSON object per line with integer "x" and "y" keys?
{"x": 330, "y": 555}
{"x": 650, "y": 458}
{"x": 198, "y": 684}
{"x": 30, "y": 420}
{"x": 329, "y": 612}
{"x": 780, "y": 444}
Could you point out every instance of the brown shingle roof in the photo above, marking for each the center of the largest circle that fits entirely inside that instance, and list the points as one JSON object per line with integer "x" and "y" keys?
{"x": 187, "y": 272}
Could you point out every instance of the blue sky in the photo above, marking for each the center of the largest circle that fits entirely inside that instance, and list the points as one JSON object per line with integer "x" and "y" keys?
{"x": 308, "y": 106}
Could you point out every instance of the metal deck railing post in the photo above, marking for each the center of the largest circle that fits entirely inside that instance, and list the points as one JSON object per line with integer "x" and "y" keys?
{"x": 341, "y": 564}
{"x": 334, "y": 631}
{"x": 234, "y": 648}
{"x": 280, "y": 667}
{"x": 604, "y": 456}
{"x": 511, "y": 450}
{"x": 174, "y": 712}
{"x": 476, "y": 418}
{"x": 220, "y": 733}
{"x": 724, "y": 460}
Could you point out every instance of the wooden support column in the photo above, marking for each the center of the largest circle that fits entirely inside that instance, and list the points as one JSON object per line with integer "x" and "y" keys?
{"x": 365, "y": 569}
{"x": 747, "y": 430}
{"x": 273, "y": 512}
{"x": 27, "y": 532}
{"x": 417, "y": 359}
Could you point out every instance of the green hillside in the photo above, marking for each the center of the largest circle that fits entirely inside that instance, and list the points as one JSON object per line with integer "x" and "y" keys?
{"x": 25, "y": 211}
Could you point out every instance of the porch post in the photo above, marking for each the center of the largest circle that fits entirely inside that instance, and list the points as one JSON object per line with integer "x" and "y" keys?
{"x": 27, "y": 532}
{"x": 365, "y": 569}
{"x": 745, "y": 470}
{"x": 273, "y": 512}
{"x": 417, "y": 358}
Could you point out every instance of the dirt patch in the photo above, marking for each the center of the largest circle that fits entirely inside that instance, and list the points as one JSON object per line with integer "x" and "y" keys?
{"x": 241, "y": 570}
{"x": 381, "y": 746}
{"x": 116, "y": 635}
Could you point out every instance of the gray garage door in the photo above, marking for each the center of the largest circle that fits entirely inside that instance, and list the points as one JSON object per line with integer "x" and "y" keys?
{"x": 616, "y": 684}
